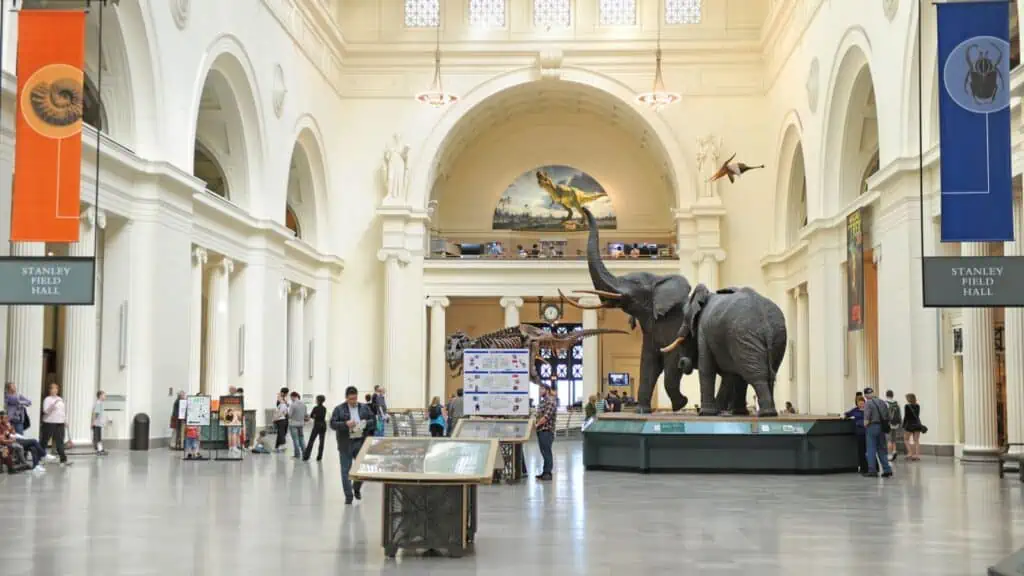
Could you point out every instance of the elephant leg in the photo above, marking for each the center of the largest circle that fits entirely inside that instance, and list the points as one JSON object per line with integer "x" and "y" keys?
{"x": 732, "y": 395}
{"x": 765, "y": 401}
{"x": 651, "y": 365}
{"x": 723, "y": 399}
{"x": 708, "y": 375}
{"x": 673, "y": 377}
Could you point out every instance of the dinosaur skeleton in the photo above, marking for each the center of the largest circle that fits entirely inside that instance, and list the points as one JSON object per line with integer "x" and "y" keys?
{"x": 515, "y": 337}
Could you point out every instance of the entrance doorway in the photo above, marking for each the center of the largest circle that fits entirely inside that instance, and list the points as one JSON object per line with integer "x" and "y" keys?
{"x": 563, "y": 368}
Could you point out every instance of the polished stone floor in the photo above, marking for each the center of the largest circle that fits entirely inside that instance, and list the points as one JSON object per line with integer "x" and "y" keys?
{"x": 151, "y": 513}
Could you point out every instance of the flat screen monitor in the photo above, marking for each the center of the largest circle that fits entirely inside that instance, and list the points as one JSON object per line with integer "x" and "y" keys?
{"x": 618, "y": 379}
{"x": 471, "y": 249}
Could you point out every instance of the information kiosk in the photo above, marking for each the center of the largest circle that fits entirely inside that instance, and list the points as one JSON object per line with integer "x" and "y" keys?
{"x": 511, "y": 434}
{"x": 430, "y": 484}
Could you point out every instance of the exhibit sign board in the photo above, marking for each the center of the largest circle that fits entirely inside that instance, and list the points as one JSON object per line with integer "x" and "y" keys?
{"x": 198, "y": 412}
{"x": 854, "y": 272}
{"x": 970, "y": 282}
{"x": 974, "y": 121}
{"x": 496, "y": 382}
{"x": 45, "y": 281}
{"x": 229, "y": 411}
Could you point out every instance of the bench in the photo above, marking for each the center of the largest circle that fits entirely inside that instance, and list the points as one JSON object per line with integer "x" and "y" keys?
{"x": 1007, "y": 456}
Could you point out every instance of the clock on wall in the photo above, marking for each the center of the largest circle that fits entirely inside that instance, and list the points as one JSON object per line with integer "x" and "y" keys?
{"x": 551, "y": 312}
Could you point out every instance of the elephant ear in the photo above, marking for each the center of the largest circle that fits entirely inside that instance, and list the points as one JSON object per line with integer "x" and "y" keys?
{"x": 698, "y": 299}
{"x": 669, "y": 292}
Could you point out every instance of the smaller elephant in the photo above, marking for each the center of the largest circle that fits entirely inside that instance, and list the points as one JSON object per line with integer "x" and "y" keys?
{"x": 740, "y": 335}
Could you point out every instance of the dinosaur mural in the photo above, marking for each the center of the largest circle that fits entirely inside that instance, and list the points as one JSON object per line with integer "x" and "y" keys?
{"x": 551, "y": 198}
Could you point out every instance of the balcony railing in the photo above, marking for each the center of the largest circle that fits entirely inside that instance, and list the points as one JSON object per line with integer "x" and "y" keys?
{"x": 442, "y": 248}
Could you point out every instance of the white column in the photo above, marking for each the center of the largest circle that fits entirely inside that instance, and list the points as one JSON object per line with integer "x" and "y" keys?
{"x": 980, "y": 434}
{"x": 706, "y": 262}
{"x": 218, "y": 343}
{"x": 297, "y": 338}
{"x": 199, "y": 258}
{"x": 437, "y": 377}
{"x": 591, "y": 350}
{"x": 1014, "y": 347}
{"x": 80, "y": 351}
{"x": 511, "y": 304}
{"x": 393, "y": 261}
{"x": 803, "y": 350}
{"x": 25, "y": 343}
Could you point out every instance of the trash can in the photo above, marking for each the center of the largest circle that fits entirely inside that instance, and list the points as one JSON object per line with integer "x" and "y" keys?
{"x": 140, "y": 432}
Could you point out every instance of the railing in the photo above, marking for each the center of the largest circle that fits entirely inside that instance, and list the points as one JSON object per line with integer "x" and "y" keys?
{"x": 651, "y": 249}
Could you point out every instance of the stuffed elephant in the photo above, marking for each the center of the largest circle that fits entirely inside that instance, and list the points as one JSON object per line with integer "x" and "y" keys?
{"x": 740, "y": 335}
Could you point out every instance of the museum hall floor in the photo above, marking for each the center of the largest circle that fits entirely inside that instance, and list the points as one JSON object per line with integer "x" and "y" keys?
{"x": 150, "y": 513}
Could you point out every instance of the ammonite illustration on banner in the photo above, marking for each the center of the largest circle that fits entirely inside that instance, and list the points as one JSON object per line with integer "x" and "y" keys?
{"x": 48, "y": 126}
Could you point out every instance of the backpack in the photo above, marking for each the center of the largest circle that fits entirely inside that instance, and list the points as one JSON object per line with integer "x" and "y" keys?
{"x": 883, "y": 415}
{"x": 435, "y": 412}
{"x": 894, "y": 414}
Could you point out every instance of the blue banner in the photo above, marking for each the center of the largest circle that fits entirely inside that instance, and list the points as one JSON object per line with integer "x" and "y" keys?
{"x": 974, "y": 121}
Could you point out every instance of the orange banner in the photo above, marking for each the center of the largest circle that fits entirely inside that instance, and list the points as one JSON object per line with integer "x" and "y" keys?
{"x": 48, "y": 131}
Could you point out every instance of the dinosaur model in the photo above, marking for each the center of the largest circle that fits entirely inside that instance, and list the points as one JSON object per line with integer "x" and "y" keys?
{"x": 568, "y": 197}
{"x": 515, "y": 337}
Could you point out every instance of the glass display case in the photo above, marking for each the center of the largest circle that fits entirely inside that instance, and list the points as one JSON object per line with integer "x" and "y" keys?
{"x": 504, "y": 430}
{"x": 426, "y": 460}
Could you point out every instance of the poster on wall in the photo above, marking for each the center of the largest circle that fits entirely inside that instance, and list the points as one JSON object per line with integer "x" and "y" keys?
{"x": 229, "y": 410}
{"x": 548, "y": 199}
{"x": 497, "y": 382}
{"x": 854, "y": 272}
{"x": 975, "y": 153}
{"x": 198, "y": 412}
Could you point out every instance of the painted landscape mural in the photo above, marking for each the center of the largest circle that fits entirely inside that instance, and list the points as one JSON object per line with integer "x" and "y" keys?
{"x": 549, "y": 199}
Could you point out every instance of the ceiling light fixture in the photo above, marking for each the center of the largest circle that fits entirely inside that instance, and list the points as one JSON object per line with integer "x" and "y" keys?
{"x": 658, "y": 97}
{"x": 435, "y": 95}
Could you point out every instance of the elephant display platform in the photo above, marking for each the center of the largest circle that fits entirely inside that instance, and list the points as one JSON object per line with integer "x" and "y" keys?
{"x": 686, "y": 442}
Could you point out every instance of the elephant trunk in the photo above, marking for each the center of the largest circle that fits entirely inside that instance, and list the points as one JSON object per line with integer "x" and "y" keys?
{"x": 599, "y": 274}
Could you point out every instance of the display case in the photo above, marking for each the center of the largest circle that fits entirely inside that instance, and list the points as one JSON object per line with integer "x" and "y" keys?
{"x": 511, "y": 435}
{"x": 425, "y": 460}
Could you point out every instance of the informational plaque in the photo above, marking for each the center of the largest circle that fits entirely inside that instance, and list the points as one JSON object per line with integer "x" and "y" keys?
{"x": 426, "y": 459}
{"x": 47, "y": 281}
{"x": 230, "y": 411}
{"x": 503, "y": 430}
{"x": 497, "y": 382}
{"x": 979, "y": 281}
{"x": 198, "y": 412}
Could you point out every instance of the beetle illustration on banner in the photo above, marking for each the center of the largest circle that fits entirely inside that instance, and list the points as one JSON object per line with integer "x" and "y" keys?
{"x": 48, "y": 128}
{"x": 974, "y": 121}
{"x": 854, "y": 272}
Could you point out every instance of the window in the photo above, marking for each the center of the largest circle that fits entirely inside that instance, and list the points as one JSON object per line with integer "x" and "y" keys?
{"x": 618, "y": 12}
{"x": 552, "y": 13}
{"x": 206, "y": 168}
{"x": 682, "y": 11}
{"x": 487, "y": 13}
{"x": 291, "y": 221}
{"x": 422, "y": 13}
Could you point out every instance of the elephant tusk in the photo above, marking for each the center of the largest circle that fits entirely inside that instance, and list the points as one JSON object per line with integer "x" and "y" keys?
{"x": 577, "y": 304}
{"x": 601, "y": 293}
{"x": 675, "y": 344}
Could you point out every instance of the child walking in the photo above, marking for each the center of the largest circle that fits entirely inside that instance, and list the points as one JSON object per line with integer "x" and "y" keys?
{"x": 97, "y": 423}
{"x": 192, "y": 443}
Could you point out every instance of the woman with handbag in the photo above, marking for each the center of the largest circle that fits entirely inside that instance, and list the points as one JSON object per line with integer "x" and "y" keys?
{"x": 15, "y": 405}
{"x": 912, "y": 427}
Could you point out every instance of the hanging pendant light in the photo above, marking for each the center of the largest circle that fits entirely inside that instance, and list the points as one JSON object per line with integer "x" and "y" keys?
{"x": 435, "y": 95}
{"x": 658, "y": 97}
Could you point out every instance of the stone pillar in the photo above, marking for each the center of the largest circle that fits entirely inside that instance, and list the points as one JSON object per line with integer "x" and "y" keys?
{"x": 394, "y": 261}
{"x": 591, "y": 350}
{"x": 803, "y": 350}
{"x": 511, "y": 304}
{"x": 437, "y": 376}
{"x": 980, "y": 433}
{"x": 218, "y": 342}
{"x": 1014, "y": 348}
{"x": 79, "y": 363}
{"x": 297, "y": 337}
{"x": 25, "y": 343}
{"x": 706, "y": 262}
{"x": 199, "y": 258}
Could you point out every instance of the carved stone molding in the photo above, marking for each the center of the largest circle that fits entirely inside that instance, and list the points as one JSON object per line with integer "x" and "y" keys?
{"x": 402, "y": 256}
{"x": 511, "y": 301}
{"x": 199, "y": 255}
{"x": 813, "y": 83}
{"x": 549, "y": 61}
{"x": 180, "y": 12}
{"x": 890, "y": 7}
{"x": 441, "y": 301}
{"x": 280, "y": 90}
{"x": 718, "y": 255}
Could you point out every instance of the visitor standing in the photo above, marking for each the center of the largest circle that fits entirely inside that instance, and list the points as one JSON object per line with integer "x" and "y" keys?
{"x": 913, "y": 427}
{"x": 15, "y": 404}
{"x": 380, "y": 409}
{"x": 895, "y": 420}
{"x": 54, "y": 420}
{"x": 98, "y": 422}
{"x": 876, "y": 424}
{"x": 547, "y": 413}
{"x": 178, "y": 423}
{"x": 590, "y": 410}
{"x": 456, "y": 411}
{"x": 352, "y": 423}
{"x": 435, "y": 415}
{"x": 281, "y": 419}
{"x": 296, "y": 423}
{"x": 857, "y": 415}
{"x": 319, "y": 415}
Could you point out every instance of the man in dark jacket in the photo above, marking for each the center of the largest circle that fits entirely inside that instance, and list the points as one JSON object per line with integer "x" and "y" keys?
{"x": 352, "y": 423}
